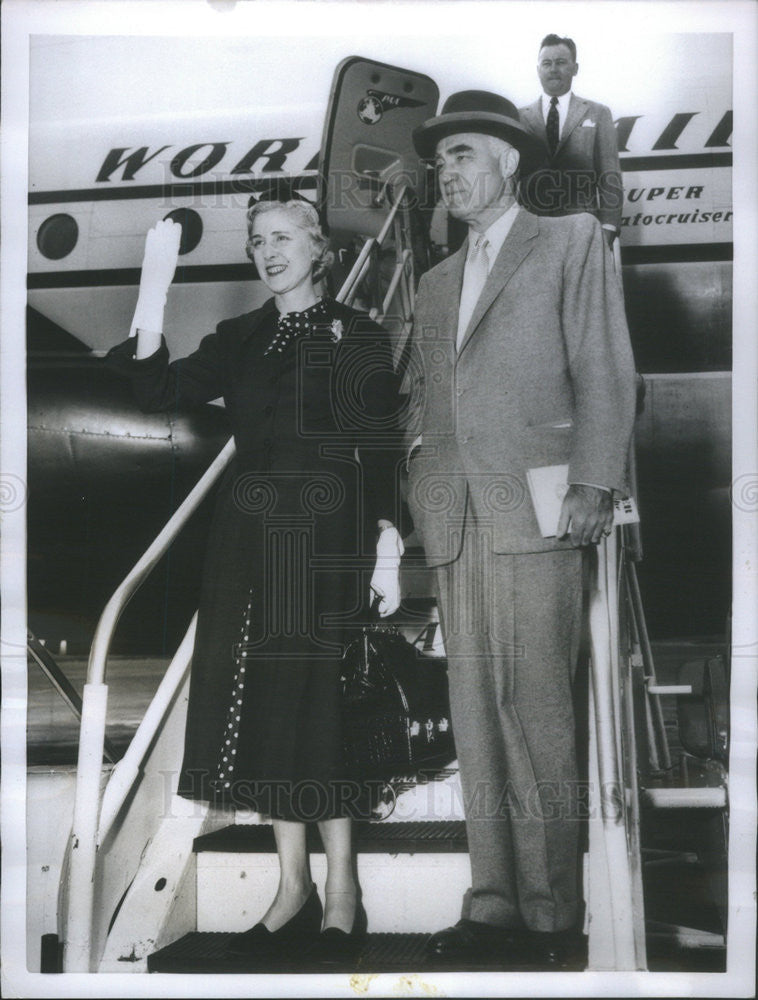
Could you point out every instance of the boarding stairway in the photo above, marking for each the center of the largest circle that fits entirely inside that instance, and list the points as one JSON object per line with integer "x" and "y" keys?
{"x": 413, "y": 875}
{"x": 200, "y": 877}
{"x": 156, "y": 883}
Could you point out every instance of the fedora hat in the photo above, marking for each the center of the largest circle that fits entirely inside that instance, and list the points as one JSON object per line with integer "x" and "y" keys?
{"x": 476, "y": 111}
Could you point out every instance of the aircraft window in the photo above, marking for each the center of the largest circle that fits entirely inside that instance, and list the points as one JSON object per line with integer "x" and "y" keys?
{"x": 57, "y": 236}
{"x": 192, "y": 228}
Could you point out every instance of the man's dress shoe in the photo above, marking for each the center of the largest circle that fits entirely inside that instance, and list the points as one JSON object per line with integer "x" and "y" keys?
{"x": 469, "y": 940}
{"x": 473, "y": 941}
{"x": 553, "y": 949}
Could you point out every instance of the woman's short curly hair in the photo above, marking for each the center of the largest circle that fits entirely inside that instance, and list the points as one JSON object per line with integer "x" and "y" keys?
{"x": 306, "y": 218}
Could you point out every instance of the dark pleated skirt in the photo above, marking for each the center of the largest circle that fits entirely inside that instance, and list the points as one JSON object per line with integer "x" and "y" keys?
{"x": 281, "y": 597}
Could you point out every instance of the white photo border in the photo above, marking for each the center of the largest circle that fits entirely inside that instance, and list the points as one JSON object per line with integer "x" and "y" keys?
{"x": 198, "y": 18}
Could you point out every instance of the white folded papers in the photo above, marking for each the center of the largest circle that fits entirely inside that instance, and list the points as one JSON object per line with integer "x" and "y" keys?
{"x": 548, "y": 485}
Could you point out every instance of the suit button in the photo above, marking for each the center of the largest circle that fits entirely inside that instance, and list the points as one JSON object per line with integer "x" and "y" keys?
{"x": 266, "y": 442}
{"x": 459, "y": 391}
{"x": 268, "y": 410}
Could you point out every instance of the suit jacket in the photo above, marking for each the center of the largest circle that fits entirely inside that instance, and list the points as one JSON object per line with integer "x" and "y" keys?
{"x": 584, "y": 174}
{"x": 544, "y": 376}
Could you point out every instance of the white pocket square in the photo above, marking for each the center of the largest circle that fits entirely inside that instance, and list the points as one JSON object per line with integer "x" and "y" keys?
{"x": 588, "y": 123}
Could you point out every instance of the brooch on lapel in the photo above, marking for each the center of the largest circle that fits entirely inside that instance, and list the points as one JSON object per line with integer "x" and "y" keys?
{"x": 336, "y": 330}
{"x": 588, "y": 123}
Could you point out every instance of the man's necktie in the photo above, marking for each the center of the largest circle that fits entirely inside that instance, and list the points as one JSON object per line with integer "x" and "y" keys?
{"x": 474, "y": 276}
{"x": 552, "y": 125}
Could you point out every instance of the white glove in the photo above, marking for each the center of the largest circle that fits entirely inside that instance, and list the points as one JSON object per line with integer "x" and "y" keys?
{"x": 158, "y": 266}
{"x": 385, "y": 583}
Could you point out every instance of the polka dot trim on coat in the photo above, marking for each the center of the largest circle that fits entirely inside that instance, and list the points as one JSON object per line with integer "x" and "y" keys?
{"x": 230, "y": 739}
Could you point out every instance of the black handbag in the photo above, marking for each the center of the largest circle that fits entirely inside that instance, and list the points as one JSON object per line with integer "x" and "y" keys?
{"x": 395, "y": 707}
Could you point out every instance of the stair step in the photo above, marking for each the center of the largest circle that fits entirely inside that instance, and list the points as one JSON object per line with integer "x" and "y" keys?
{"x": 402, "y": 891}
{"x": 370, "y": 838}
{"x": 206, "y": 953}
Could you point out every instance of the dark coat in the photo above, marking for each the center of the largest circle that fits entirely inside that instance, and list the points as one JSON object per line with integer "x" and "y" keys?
{"x": 292, "y": 542}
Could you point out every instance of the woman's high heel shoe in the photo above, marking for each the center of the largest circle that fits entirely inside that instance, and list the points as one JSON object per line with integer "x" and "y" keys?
{"x": 259, "y": 940}
{"x": 336, "y": 945}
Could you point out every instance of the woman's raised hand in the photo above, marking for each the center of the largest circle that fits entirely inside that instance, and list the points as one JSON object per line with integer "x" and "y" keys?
{"x": 161, "y": 253}
{"x": 158, "y": 267}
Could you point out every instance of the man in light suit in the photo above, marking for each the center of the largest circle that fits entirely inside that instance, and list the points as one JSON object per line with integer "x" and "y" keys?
{"x": 581, "y": 171}
{"x": 520, "y": 358}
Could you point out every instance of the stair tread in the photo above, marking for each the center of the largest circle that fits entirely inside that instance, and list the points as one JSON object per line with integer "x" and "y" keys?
{"x": 435, "y": 836}
{"x": 205, "y": 951}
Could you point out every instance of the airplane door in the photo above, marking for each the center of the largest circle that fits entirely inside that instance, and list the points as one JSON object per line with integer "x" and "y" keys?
{"x": 367, "y": 146}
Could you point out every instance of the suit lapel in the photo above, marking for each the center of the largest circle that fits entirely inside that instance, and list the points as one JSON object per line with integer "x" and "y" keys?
{"x": 533, "y": 115}
{"x": 252, "y": 321}
{"x": 518, "y": 244}
{"x": 576, "y": 112}
{"x": 447, "y": 293}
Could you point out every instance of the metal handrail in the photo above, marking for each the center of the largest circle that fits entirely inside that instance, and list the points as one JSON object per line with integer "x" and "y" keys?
{"x": 604, "y": 647}
{"x": 126, "y": 590}
{"x": 400, "y": 270}
{"x": 50, "y": 668}
{"x": 359, "y": 268}
{"x": 126, "y": 772}
{"x": 604, "y": 710}
{"x": 85, "y": 831}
